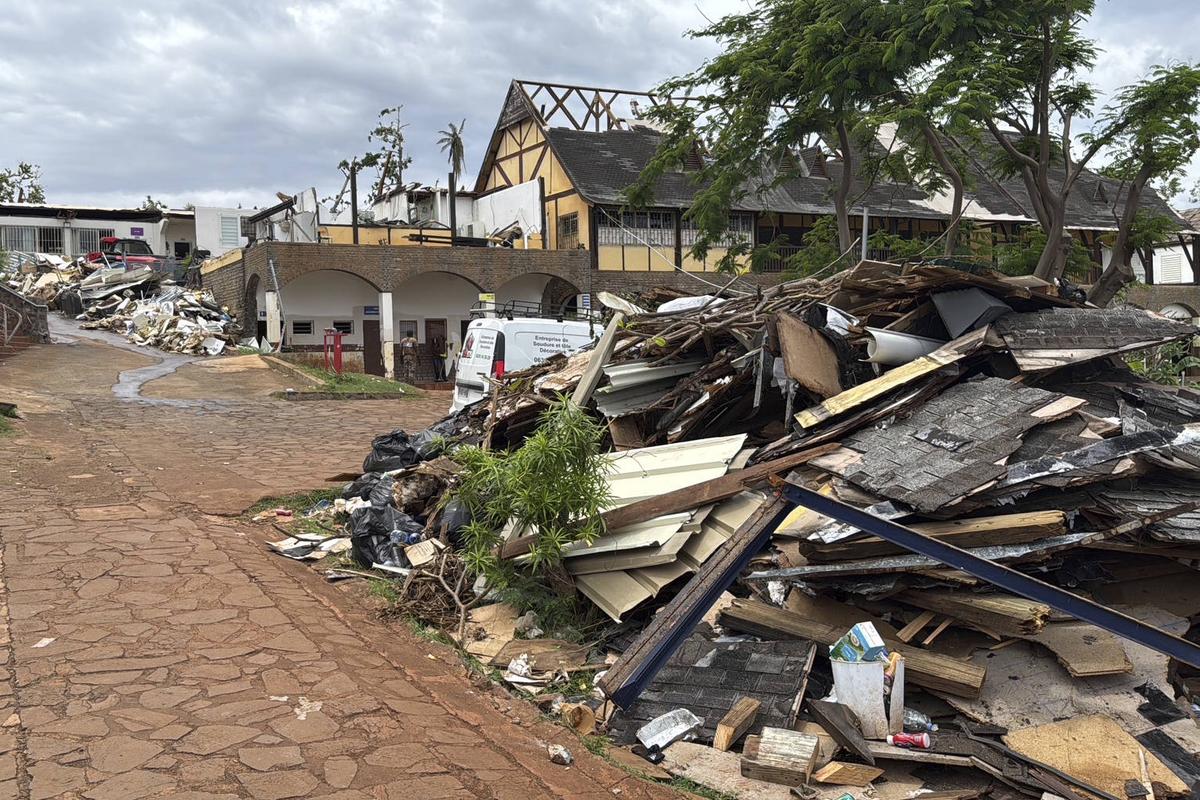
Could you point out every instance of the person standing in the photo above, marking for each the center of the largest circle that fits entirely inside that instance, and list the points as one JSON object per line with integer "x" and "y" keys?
{"x": 439, "y": 358}
{"x": 408, "y": 355}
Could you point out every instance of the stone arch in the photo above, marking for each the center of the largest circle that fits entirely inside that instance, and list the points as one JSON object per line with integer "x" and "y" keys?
{"x": 294, "y": 275}
{"x": 424, "y": 299}
{"x": 318, "y": 299}
{"x": 1183, "y": 312}
{"x": 552, "y": 292}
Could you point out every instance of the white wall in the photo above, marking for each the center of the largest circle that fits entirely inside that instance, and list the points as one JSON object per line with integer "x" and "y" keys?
{"x": 435, "y": 295}
{"x": 322, "y": 297}
{"x": 520, "y": 204}
{"x": 1170, "y": 265}
{"x": 208, "y": 228}
{"x": 527, "y": 288}
{"x": 150, "y": 231}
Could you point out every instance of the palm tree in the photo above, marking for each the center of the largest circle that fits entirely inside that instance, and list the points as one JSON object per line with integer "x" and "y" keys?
{"x": 451, "y": 142}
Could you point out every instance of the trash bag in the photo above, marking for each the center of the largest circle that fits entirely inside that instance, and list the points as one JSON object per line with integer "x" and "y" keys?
{"x": 378, "y": 532}
{"x": 391, "y": 451}
{"x": 397, "y": 450}
{"x": 361, "y": 486}
{"x": 455, "y": 517}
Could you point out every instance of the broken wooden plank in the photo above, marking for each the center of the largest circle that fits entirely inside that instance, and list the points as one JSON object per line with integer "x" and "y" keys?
{"x": 844, "y": 774}
{"x": 595, "y": 365}
{"x": 1005, "y": 614}
{"x": 981, "y": 532}
{"x": 839, "y": 722}
{"x": 638, "y": 665}
{"x": 1085, "y": 650}
{"x": 910, "y": 630}
{"x": 780, "y": 756}
{"x": 736, "y": 722}
{"x": 922, "y": 667}
{"x": 889, "y": 752}
{"x": 945, "y": 356}
{"x": 936, "y": 632}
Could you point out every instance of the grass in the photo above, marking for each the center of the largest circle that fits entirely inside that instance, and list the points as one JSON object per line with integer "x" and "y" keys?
{"x": 5, "y": 426}
{"x": 356, "y": 383}
{"x": 698, "y": 789}
{"x": 298, "y": 502}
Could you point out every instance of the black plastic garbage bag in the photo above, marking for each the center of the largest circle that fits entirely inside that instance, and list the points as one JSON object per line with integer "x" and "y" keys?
{"x": 378, "y": 532}
{"x": 454, "y": 518}
{"x": 391, "y": 451}
{"x": 361, "y": 486}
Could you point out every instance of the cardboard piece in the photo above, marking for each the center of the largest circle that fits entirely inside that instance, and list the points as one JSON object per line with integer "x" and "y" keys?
{"x": 859, "y": 687}
{"x": 808, "y": 358}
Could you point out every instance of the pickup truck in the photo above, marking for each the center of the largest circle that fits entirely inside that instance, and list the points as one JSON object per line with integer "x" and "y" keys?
{"x": 125, "y": 251}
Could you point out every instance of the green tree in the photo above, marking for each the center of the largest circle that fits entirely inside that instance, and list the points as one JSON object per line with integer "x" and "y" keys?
{"x": 22, "y": 184}
{"x": 387, "y": 157}
{"x": 794, "y": 72}
{"x": 451, "y": 142}
{"x": 1155, "y": 134}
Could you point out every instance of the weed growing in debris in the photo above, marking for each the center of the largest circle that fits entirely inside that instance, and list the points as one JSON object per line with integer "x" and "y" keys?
{"x": 554, "y": 487}
{"x": 5, "y": 426}
{"x": 700, "y": 790}
{"x": 301, "y": 501}
{"x": 596, "y": 745}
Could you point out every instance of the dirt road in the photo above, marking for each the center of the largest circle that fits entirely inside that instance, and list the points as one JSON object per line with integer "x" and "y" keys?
{"x": 154, "y": 648}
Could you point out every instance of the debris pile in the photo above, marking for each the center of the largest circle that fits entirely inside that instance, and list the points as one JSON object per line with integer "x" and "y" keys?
{"x": 911, "y": 529}
{"x": 175, "y": 319}
{"x": 38, "y": 276}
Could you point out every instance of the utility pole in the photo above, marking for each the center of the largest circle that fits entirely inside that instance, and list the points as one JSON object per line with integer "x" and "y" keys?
{"x": 453, "y": 208}
{"x": 354, "y": 198}
{"x": 866, "y": 221}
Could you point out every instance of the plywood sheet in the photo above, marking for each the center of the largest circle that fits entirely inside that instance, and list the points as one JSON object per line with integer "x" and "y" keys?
{"x": 1093, "y": 749}
{"x": 808, "y": 357}
{"x": 1085, "y": 650}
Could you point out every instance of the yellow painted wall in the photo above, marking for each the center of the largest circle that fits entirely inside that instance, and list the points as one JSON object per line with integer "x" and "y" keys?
{"x": 396, "y": 237}
{"x": 561, "y": 206}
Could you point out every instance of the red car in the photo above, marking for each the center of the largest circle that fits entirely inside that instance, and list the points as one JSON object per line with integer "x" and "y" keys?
{"x": 127, "y": 251}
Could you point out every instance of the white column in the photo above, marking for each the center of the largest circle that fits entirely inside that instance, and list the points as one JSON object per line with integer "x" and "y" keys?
{"x": 387, "y": 332}
{"x": 274, "y": 318}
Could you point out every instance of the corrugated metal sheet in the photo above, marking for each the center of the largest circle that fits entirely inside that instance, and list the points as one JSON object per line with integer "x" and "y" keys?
{"x": 635, "y": 385}
{"x": 651, "y": 471}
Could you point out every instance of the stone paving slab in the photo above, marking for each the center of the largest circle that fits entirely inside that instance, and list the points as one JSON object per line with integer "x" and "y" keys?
{"x": 152, "y": 649}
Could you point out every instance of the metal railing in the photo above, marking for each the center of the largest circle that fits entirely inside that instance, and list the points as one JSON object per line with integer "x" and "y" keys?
{"x": 9, "y": 330}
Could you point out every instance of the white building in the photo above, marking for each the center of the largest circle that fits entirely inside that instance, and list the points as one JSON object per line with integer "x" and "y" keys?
{"x": 71, "y": 230}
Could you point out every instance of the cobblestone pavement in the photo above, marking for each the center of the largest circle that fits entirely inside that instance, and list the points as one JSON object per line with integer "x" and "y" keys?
{"x": 154, "y": 648}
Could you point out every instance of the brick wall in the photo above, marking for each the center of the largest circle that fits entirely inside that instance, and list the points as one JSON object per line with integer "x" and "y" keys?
{"x": 1157, "y": 296}
{"x": 488, "y": 269}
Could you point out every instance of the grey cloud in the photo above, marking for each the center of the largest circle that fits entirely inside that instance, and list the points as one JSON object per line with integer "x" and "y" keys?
{"x": 227, "y": 101}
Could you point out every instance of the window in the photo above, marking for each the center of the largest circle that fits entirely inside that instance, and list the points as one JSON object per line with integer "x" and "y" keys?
{"x": 87, "y": 240}
{"x": 302, "y": 327}
{"x": 740, "y": 228}
{"x": 50, "y": 240}
{"x": 343, "y": 325}
{"x": 656, "y": 228}
{"x": 231, "y": 231}
{"x": 18, "y": 238}
{"x": 1170, "y": 268}
{"x": 568, "y": 231}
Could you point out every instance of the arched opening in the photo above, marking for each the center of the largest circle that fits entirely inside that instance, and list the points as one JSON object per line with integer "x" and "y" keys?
{"x": 1181, "y": 312}
{"x": 324, "y": 299}
{"x": 537, "y": 291}
{"x": 430, "y": 306}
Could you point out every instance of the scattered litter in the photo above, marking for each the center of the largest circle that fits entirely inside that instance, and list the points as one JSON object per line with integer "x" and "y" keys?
{"x": 45, "y": 642}
{"x": 559, "y": 755}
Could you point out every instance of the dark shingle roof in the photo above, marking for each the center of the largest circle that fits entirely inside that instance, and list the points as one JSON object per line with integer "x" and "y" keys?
{"x": 601, "y": 165}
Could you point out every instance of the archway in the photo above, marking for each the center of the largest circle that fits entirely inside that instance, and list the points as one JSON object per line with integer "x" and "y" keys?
{"x": 538, "y": 291}
{"x": 432, "y": 305}
{"x": 324, "y": 299}
{"x": 1181, "y": 312}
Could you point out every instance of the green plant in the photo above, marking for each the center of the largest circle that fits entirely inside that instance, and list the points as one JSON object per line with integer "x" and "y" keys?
{"x": 1021, "y": 257}
{"x": 553, "y": 487}
{"x": 1167, "y": 364}
{"x": 698, "y": 789}
{"x": 299, "y": 501}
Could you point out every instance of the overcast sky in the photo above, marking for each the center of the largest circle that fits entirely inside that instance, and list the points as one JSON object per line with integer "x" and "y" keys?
{"x": 225, "y": 102}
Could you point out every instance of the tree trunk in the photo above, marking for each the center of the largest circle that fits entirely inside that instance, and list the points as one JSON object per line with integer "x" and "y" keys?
{"x": 1119, "y": 271}
{"x": 956, "y": 184}
{"x": 842, "y": 195}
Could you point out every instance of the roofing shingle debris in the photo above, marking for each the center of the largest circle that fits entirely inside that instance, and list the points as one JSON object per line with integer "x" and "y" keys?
{"x": 137, "y": 301}
{"x": 1024, "y": 442}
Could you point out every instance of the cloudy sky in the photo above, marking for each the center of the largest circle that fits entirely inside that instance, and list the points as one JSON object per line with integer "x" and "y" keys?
{"x": 225, "y": 102}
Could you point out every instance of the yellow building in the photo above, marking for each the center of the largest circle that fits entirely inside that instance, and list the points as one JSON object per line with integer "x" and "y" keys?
{"x": 585, "y": 146}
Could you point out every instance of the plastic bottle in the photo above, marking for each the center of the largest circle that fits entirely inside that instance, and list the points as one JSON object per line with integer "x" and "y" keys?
{"x": 916, "y": 722}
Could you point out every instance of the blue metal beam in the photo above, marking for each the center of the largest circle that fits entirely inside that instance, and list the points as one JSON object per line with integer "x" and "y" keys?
{"x": 996, "y": 574}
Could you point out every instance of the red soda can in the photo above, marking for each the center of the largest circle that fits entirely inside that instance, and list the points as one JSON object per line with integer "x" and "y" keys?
{"x": 918, "y": 740}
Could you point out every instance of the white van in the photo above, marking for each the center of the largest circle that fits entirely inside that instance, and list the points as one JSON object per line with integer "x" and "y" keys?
{"x": 495, "y": 346}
